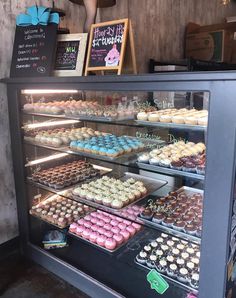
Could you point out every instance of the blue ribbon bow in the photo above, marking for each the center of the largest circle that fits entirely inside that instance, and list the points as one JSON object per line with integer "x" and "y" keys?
{"x": 37, "y": 15}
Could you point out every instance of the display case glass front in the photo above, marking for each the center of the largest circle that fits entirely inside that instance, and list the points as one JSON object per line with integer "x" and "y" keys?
{"x": 115, "y": 182}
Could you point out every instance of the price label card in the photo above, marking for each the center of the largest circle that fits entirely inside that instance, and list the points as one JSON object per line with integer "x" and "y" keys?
{"x": 157, "y": 282}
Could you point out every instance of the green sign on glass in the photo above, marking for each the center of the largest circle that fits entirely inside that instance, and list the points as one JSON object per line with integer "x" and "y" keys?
{"x": 157, "y": 282}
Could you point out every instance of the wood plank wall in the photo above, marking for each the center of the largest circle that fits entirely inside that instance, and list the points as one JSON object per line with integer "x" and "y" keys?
{"x": 159, "y": 33}
{"x": 159, "y": 25}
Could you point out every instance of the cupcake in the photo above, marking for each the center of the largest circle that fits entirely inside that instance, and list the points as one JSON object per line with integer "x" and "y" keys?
{"x": 176, "y": 165}
{"x": 172, "y": 270}
{"x": 158, "y": 217}
{"x": 146, "y": 214}
{"x": 183, "y": 275}
{"x": 162, "y": 265}
{"x": 179, "y": 225}
{"x": 194, "y": 280}
{"x": 151, "y": 261}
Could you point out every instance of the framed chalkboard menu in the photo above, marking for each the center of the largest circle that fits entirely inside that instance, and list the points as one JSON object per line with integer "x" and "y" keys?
{"x": 70, "y": 54}
{"x": 33, "y": 51}
{"x": 107, "y": 45}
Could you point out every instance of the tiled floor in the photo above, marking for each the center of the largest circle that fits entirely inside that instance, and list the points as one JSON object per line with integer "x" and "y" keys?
{"x": 20, "y": 278}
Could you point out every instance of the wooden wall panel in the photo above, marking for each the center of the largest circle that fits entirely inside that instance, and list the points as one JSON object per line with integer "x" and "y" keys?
{"x": 159, "y": 25}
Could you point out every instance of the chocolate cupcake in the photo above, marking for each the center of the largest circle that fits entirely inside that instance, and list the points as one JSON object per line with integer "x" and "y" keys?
{"x": 176, "y": 165}
{"x": 162, "y": 265}
{"x": 194, "y": 280}
{"x": 183, "y": 275}
{"x": 147, "y": 214}
{"x": 158, "y": 217}
{"x": 151, "y": 261}
{"x": 172, "y": 270}
{"x": 142, "y": 257}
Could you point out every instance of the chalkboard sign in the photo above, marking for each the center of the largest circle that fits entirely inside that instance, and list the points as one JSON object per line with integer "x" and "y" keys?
{"x": 107, "y": 46}
{"x": 70, "y": 54}
{"x": 34, "y": 51}
{"x": 67, "y": 53}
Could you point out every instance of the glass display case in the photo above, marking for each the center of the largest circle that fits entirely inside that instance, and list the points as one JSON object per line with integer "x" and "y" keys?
{"x": 125, "y": 184}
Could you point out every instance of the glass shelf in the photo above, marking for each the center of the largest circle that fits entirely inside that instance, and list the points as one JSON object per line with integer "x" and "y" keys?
{"x": 126, "y": 160}
{"x": 131, "y": 123}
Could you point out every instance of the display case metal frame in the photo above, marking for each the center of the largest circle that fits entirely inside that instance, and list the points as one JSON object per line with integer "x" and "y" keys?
{"x": 220, "y": 170}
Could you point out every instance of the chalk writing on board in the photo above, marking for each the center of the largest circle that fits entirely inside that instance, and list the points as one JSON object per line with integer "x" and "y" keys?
{"x": 106, "y": 45}
{"x": 33, "y": 50}
{"x": 67, "y": 54}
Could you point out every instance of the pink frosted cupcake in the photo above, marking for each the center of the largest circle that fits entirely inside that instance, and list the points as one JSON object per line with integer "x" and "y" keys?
{"x": 94, "y": 228}
{"x": 107, "y": 227}
{"x": 93, "y": 237}
{"x": 88, "y": 224}
{"x": 108, "y": 234}
{"x": 81, "y": 221}
{"x": 101, "y": 239}
{"x": 125, "y": 234}
{"x": 79, "y": 230}
{"x": 136, "y": 226}
{"x": 101, "y": 230}
{"x": 114, "y": 222}
{"x": 110, "y": 243}
{"x": 100, "y": 223}
{"x": 122, "y": 226}
{"x": 115, "y": 230}
{"x": 86, "y": 233}
{"x": 131, "y": 230}
{"x": 73, "y": 227}
{"x": 119, "y": 238}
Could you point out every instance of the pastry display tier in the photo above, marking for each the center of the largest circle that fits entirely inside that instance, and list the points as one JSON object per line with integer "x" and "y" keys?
{"x": 59, "y": 211}
{"x": 129, "y": 123}
{"x": 169, "y": 171}
{"x": 83, "y": 256}
{"x": 46, "y": 182}
{"x": 175, "y": 259}
{"x": 172, "y": 125}
{"x": 183, "y": 207}
{"x": 149, "y": 185}
{"x": 103, "y": 230}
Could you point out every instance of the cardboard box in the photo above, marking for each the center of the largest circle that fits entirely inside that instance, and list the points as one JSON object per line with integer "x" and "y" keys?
{"x": 210, "y": 46}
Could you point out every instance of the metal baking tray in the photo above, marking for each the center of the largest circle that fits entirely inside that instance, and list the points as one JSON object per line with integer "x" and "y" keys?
{"x": 151, "y": 185}
{"x": 103, "y": 171}
{"x": 175, "y": 281}
{"x": 193, "y": 238}
{"x": 100, "y": 247}
{"x": 149, "y": 144}
{"x": 54, "y": 225}
{"x": 172, "y": 125}
{"x": 169, "y": 171}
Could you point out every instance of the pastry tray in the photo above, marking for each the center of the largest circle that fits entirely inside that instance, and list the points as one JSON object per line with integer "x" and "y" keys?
{"x": 149, "y": 143}
{"x": 169, "y": 171}
{"x": 165, "y": 276}
{"x": 103, "y": 171}
{"x": 151, "y": 185}
{"x": 172, "y": 125}
{"x": 53, "y": 224}
{"x": 193, "y": 238}
{"x": 100, "y": 247}
{"x": 48, "y": 222}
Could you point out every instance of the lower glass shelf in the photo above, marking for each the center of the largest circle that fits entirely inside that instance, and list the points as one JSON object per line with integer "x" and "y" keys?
{"x": 117, "y": 271}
